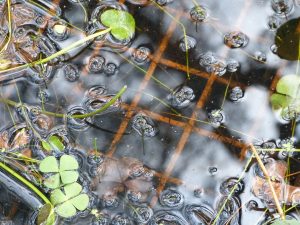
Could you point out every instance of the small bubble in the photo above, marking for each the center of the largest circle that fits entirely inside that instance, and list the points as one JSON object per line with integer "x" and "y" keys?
{"x": 212, "y": 64}
{"x": 236, "y": 94}
{"x": 232, "y": 184}
{"x": 134, "y": 196}
{"x": 198, "y": 193}
{"x": 43, "y": 96}
{"x": 260, "y": 56}
{"x": 187, "y": 43}
{"x": 110, "y": 201}
{"x": 198, "y": 13}
{"x": 121, "y": 219}
{"x": 171, "y": 198}
{"x": 274, "y": 49}
{"x": 232, "y": 65}
{"x": 163, "y": 2}
{"x": 282, "y": 7}
{"x": 144, "y": 125}
{"x": 110, "y": 69}
{"x": 71, "y": 72}
{"x": 141, "y": 55}
{"x": 141, "y": 214}
{"x": 212, "y": 170}
{"x": 252, "y": 205}
{"x": 235, "y": 39}
{"x": 216, "y": 117}
{"x": 96, "y": 64}
{"x": 274, "y": 22}
{"x": 136, "y": 170}
{"x": 78, "y": 124}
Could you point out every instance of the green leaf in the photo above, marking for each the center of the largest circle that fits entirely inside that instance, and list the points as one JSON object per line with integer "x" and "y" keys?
{"x": 122, "y": 23}
{"x": 52, "y": 182}
{"x": 46, "y": 145}
{"x": 57, "y": 197}
{"x": 66, "y": 210}
{"x": 68, "y": 177}
{"x": 280, "y": 101}
{"x": 72, "y": 190}
{"x": 289, "y": 85}
{"x": 286, "y": 222}
{"x": 287, "y": 40}
{"x": 46, "y": 215}
{"x": 49, "y": 165}
{"x": 68, "y": 162}
{"x": 80, "y": 202}
{"x": 56, "y": 143}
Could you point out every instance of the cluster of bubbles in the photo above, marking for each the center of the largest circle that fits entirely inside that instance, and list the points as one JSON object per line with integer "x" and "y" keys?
{"x": 141, "y": 55}
{"x": 212, "y": 64}
{"x": 144, "y": 125}
{"x": 187, "y": 43}
{"x": 181, "y": 97}
{"x": 236, "y": 39}
{"x": 199, "y": 13}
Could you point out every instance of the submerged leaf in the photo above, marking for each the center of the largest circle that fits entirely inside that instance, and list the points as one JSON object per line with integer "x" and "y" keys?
{"x": 56, "y": 143}
{"x": 289, "y": 85}
{"x": 122, "y": 23}
{"x": 287, "y": 40}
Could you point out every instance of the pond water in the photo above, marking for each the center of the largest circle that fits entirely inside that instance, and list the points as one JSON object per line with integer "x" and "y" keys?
{"x": 204, "y": 82}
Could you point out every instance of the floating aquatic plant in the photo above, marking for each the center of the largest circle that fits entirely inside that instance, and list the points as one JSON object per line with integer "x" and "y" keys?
{"x": 63, "y": 173}
{"x": 69, "y": 200}
{"x": 53, "y": 143}
{"x": 121, "y": 23}
{"x": 287, "y": 96}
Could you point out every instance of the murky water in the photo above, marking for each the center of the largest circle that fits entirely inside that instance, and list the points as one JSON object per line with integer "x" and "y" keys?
{"x": 174, "y": 148}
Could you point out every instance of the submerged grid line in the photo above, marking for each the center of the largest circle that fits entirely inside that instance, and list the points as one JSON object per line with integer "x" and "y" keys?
{"x": 147, "y": 77}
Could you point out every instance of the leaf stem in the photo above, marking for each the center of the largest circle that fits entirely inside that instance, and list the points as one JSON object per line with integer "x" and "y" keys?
{"x": 264, "y": 170}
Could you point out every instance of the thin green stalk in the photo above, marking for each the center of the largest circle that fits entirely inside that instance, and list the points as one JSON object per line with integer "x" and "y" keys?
{"x": 26, "y": 182}
{"x": 103, "y": 108}
{"x": 232, "y": 191}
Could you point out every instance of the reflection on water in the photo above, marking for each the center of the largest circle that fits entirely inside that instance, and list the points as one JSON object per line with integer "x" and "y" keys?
{"x": 173, "y": 148}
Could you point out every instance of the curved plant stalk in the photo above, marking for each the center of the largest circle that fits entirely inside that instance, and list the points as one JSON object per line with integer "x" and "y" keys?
{"x": 9, "y": 27}
{"x": 61, "y": 52}
{"x": 264, "y": 170}
{"x": 60, "y": 115}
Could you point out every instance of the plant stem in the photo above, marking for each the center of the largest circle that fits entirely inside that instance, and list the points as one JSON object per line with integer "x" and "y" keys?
{"x": 264, "y": 170}
{"x": 72, "y": 46}
{"x": 26, "y": 182}
{"x": 103, "y": 108}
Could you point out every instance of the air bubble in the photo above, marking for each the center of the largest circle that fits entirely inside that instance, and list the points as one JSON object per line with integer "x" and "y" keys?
{"x": 235, "y": 39}
{"x": 274, "y": 23}
{"x": 252, "y": 205}
{"x": 236, "y": 94}
{"x": 198, "y": 193}
{"x": 71, "y": 72}
{"x": 187, "y": 43}
{"x": 228, "y": 207}
{"x": 141, "y": 214}
{"x": 110, "y": 201}
{"x": 134, "y": 196}
{"x": 141, "y": 55}
{"x": 171, "y": 198}
{"x": 136, "y": 170}
{"x": 282, "y": 7}
{"x": 76, "y": 123}
{"x": 232, "y": 65}
{"x": 212, "y": 170}
{"x": 101, "y": 219}
{"x": 166, "y": 217}
{"x": 43, "y": 96}
{"x": 232, "y": 184}
{"x": 96, "y": 64}
{"x": 216, "y": 116}
{"x": 181, "y": 97}
{"x": 274, "y": 49}
{"x": 144, "y": 125}
{"x": 110, "y": 69}
{"x": 199, "y": 214}
{"x": 95, "y": 92}
{"x": 58, "y": 30}
{"x": 260, "y": 56}
{"x": 198, "y": 13}
{"x": 212, "y": 64}
{"x": 163, "y": 2}
{"x": 121, "y": 219}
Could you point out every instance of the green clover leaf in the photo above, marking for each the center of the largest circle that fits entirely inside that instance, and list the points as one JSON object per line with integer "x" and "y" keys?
{"x": 53, "y": 143}
{"x": 66, "y": 203}
{"x": 287, "y": 94}
{"x": 122, "y": 23}
{"x": 65, "y": 173}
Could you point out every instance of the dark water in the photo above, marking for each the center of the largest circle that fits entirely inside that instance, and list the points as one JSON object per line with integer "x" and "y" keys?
{"x": 171, "y": 149}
